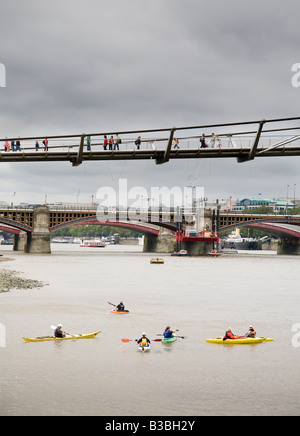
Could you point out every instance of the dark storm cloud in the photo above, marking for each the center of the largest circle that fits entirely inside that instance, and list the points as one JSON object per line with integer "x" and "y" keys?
{"x": 77, "y": 67}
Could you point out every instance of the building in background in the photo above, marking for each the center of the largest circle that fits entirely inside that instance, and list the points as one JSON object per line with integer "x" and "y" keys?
{"x": 254, "y": 203}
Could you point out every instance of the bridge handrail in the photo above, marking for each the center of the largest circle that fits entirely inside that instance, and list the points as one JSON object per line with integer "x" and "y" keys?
{"x": 227, "y": 213}
{"x": 186, "y": 142}
{"x": 139, "y": 132}
{"x": 165, "y": 129}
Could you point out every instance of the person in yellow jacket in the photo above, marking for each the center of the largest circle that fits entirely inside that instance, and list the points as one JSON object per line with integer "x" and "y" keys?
{"x": 143, "y": 341}
{"x": 175, "y": 143}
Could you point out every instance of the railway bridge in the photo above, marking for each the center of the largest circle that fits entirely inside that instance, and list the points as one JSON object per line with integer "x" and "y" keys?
{"x": 32, "y": 227}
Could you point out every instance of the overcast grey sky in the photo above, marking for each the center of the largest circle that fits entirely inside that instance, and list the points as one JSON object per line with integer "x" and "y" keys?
{"x": 97, "y": 65}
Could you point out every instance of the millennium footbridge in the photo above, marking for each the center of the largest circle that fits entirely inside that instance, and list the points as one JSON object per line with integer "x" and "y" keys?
{"x": 243, "y": 141}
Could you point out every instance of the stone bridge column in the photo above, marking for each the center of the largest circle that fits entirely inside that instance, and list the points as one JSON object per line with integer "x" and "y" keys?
{"x": 38, "y": 242}
{"x": 20, "y": 241}
{"x": 289, "y": 246}
{"x": 164, "y": 242}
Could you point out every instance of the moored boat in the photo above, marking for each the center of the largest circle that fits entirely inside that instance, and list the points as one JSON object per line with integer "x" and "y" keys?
{"x": 214, "y": 253}
{"x": 93, "y": 244}
{"x": 181, "y": 253}
{"x": 235, "y": 241}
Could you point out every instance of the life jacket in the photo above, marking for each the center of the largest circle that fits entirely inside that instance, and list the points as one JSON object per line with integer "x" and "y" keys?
{"x": 251, "y": 333}
{"x": 228, "y": 335}
{"x": 58, "y": 333}
{"x": 144, "y": 343}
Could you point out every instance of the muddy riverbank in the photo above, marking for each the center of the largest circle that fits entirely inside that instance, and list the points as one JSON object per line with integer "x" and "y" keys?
{"x": 10, "y": 280}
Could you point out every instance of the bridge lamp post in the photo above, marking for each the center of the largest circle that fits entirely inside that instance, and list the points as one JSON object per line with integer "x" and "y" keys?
{"x": 287, "y": 198}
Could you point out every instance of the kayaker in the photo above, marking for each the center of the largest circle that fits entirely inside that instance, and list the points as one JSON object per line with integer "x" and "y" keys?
{"x": 251, "y": 333}
{"x": 143, "y": 341}
{"x": 229, "y": 334}
{"x": 58, "y": 332}
{"x": 120, "y": 307}
{"x": 168, "y": 333}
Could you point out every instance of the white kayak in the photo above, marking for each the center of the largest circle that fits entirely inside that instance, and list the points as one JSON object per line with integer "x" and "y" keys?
{"x": 144, "y": 349}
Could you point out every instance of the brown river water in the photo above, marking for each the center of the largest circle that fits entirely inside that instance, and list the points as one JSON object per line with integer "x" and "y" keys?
{"x": 199, "y": 296}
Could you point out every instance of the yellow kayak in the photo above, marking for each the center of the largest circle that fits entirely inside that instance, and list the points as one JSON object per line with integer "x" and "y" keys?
{"x": 157, "y": 261}
{"x": 52, "y": 338}
{"x": 238, "y": 341}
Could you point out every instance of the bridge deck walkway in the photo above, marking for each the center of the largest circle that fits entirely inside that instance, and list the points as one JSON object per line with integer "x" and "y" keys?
{"x": 156, "y": 155}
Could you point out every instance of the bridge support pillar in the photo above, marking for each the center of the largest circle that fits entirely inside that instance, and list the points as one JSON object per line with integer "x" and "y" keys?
{"x": 20, "y": 241}
{"x": 198, "y": 248}
{"x": 38, "y": 242}
{"x": 289, "y": 246}
{"x": 164, "y": 242}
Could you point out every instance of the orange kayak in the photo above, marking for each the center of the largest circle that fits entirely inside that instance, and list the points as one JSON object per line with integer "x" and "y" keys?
{"x": 124, "y": 312}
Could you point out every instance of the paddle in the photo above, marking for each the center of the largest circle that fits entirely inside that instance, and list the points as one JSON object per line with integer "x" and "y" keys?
{"x": 237, "y": 337}
{"x": 117, "y": 306}
{"x": 181, "y": 337}
{"x": 125, "y": 340}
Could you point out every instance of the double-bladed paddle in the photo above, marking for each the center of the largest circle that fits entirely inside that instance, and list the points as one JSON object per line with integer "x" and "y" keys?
{"x": 125, "y": 340}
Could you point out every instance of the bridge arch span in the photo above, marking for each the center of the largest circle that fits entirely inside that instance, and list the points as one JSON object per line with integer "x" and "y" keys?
{"x": 280, "y": 230}
{"x": 14, "y": 226}
{"x": 9, "y": 230}
{"x": 92, "y": 220}
{"x": 272, "y": 227}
